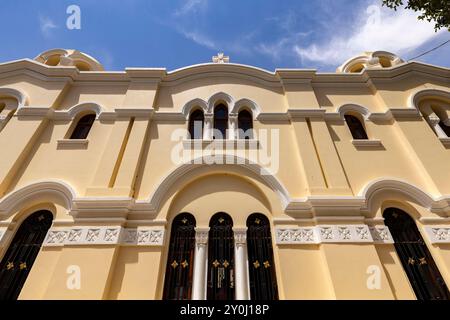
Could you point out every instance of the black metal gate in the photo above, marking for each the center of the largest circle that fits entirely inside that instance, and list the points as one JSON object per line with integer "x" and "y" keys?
{"x": 263, "y": 282}
{"x": 221, "y": 258}
{"x": 21, "y": 254}
{"x": 180, "y": 261}
{"x": 416, "y": 259}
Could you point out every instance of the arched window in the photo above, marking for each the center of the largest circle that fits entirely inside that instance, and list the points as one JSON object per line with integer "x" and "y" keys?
{"x": 356, "y": 127}
{"x": 180, "y": 261}
{"x": 245, "y": 125}
{"x": 20, "y": 256}
{"x": 221, "y": 258}
{"x": 220, "y": 121}
{"x": 196, "y": 123}
{"x": 83, "y": 127}
{"x": 263, "y": 282}
{"x": 445, "y": 128}
{"x": 422, "y": 272}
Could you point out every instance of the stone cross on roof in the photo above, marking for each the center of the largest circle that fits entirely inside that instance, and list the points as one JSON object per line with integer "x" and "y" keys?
{"x": 221, "y": 58}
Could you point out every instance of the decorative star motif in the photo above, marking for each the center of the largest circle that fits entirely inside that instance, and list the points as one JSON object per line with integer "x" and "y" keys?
{"x": 226, "y": 264}
{"x": 41, "y": 217}
{"x": 184, "y": 264}
{"x": 266, "y": 264}
{"x": 422, "y": 261}
{"x": 174, "y": 264}
{"x": 216, "y": 263}
{"x": 9, "y": 265}
{"x": 257, "y": 221}
{"x": 221, "y": 220}
{"x": 22, "y": 265}
{"x": 411, "y": 261}
{"x": 256, "y": 264}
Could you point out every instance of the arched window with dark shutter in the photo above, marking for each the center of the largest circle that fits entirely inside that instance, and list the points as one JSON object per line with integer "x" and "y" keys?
{"x": 220, "y": 121}
{"x": 445, "y": 128}
{"x": 245, "y": 125}
{"x": 196, "y": 123}
{"x": 356, "y": 127}
{"x": 22, "y": 252}
{"x": 422, "y": 272}
{"x": 221, "y": 258}
{"x": 83, "y": 127}
{"x": 263, "y": 282}
{"x": 180, "y": 261}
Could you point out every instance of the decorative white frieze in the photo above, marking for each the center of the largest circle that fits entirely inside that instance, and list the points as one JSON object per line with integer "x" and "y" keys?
{"x": 104, "y": 236}
{"x": 381, "y": 234}
{"x": 438, "y": 234}
{"x": 324, "y": 234}
{"x": 296, "y": 235}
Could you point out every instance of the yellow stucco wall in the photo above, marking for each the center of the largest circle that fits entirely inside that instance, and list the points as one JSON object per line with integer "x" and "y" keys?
{"x": 123, "y": 175}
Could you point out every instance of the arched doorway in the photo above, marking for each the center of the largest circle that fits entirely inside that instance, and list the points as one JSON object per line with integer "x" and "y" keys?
{"x": 220, "y": 258}
{"x": 263, "y": 282}
{"x": 180, "y": 261}
{"x": 22, "y": 252}
{"x": 422, "y": 272}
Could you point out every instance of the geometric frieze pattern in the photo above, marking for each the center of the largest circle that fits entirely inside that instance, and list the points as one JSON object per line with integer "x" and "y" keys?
{"x": 438, "y": 234}
{"x": 75, "y": 236}
{"x": 333, "y": 234}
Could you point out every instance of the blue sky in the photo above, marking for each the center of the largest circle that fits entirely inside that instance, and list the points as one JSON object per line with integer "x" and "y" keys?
{"x": 175, "y": 33}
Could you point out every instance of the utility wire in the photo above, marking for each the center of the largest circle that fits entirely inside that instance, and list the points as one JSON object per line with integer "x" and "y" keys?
{"x": 431, "y": 50}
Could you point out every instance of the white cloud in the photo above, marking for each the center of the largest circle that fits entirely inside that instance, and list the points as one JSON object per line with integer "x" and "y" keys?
{"x": 379, "y": 29}
{"x": 191, "y": 6}
{"x": 46, "y": 25}
{"x": 199, "y": 38}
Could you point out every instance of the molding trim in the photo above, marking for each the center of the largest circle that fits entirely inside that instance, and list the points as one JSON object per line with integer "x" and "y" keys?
{"x": 2, "y": 236}
{"x": 21, "y": 97}
{"x": 101, "y": 235}
{"x": 47, "y": 190}
{"x": 333, "y": 234}
{"x": 372, "y": 143}
{"x": 445, "y": 142}
{"x": 237, "y": 144}
{"x": 72, "y": 143}
{"x": 438, "y": 234}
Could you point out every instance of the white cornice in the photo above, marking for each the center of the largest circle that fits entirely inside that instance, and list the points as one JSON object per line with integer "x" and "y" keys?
{"x": 272, "y": 79}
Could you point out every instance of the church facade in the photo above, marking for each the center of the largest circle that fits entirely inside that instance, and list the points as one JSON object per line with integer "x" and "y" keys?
{"x": 223, "y": 181}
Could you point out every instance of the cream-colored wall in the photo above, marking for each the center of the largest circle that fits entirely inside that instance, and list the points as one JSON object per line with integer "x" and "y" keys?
{"x": 128, "y": 156}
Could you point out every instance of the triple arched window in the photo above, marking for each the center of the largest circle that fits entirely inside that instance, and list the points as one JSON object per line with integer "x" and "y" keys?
{"x": 221, "y": 125}
{"x": 356, "y": 127}
{"x": 221, "y": 261}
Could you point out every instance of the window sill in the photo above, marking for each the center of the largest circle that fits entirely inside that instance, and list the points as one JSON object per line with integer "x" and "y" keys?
{"x": 221, "y": 144}
{"x": 72, "y": 144}
{"x": 374, "y": 143}
{"x": 445, "y": 142}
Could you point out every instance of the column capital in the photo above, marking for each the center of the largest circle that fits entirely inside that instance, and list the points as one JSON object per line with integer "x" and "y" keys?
{"x": 201, "y": 236}
{"x": 240, "y": 236}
